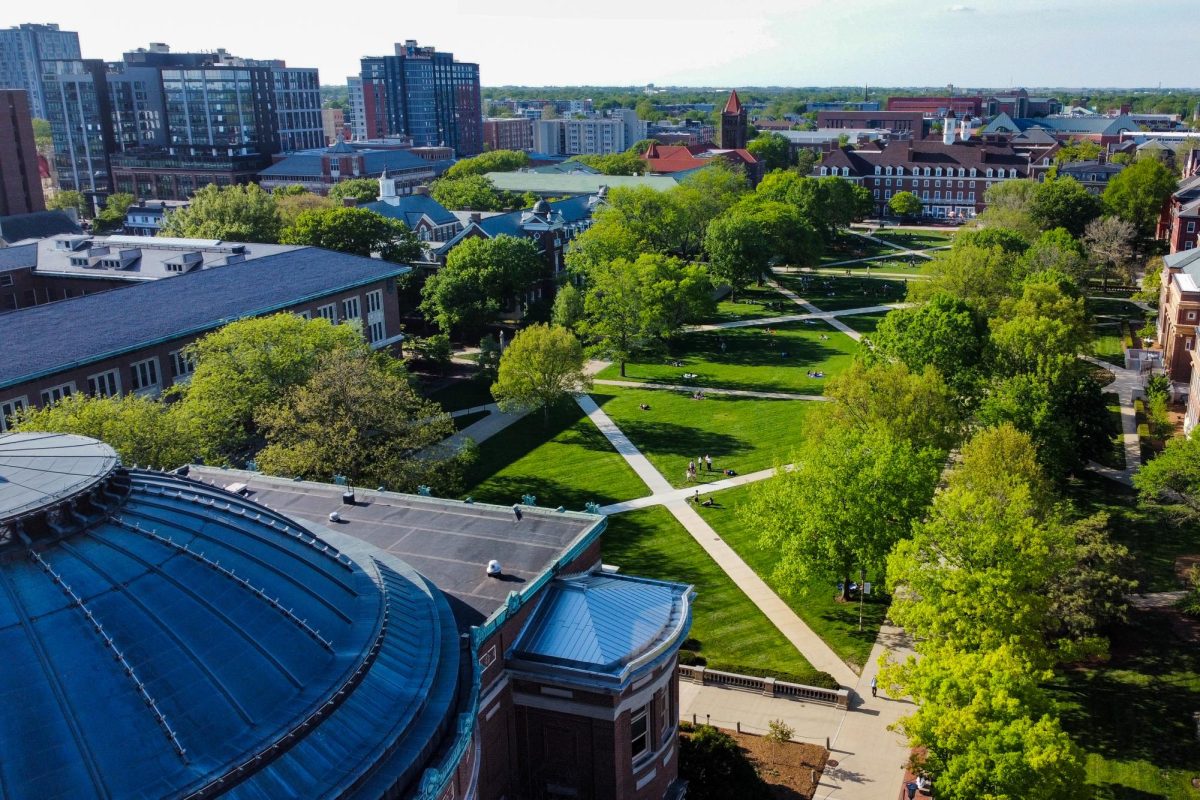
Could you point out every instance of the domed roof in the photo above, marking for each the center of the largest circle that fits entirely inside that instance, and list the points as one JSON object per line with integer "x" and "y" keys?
{"x": 541, "y": 207}
{"x": 163, "y": 637}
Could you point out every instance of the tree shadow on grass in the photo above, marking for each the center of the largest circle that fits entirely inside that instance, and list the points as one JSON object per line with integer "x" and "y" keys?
{"x": 508, "y": 489}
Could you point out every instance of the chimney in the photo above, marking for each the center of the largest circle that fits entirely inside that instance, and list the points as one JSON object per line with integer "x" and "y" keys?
{"x": 475, "y": 217}
{"x": 422, "y": 190}
{"x": 349, "y": 202}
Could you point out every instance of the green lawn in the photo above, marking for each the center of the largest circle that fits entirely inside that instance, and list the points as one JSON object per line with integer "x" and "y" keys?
{"x": 463, "y": 393}
{"x": 566, "y": 461}
{"x": 851, "y": 246}
{"x": 1133, "y": 715}
{"x": 754, "y": 302}
{"x": 865, "y": 324}
{"x": 1111, "y": 308}
{"x": 1115, "y": 457}
{"x": 830, "y": 293}
{"x": 742, "y": 434}
{"x": 731, "y": 629}
{"x": 917, "y": 240}
{"x": 1107, "y": 344}
{"x": 752, "y": 359}
{"x": 816, "y": 604}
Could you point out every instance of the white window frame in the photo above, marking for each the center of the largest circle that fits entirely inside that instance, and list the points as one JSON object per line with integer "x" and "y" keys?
{"x": 105, "y": 384}
{"x": 56, "y": 393}
{"x": 351, "y": 308}
{"x": 328, "y": 312}
{"x": 183, "y": 363}
{"x": 6, "y": 280}
{"x": 147, "y": 377}
{"x": 642, "y": 716}
{"x": 11, "y": 407}
{"x": 1191, "y": 228}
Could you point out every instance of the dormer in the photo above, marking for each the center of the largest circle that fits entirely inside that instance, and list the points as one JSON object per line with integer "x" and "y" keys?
{"x": 71, "y": 242}
{"x": 183, "y": 262}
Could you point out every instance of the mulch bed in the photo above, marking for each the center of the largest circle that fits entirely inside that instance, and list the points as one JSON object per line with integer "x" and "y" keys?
{"x": 791, "y": 769}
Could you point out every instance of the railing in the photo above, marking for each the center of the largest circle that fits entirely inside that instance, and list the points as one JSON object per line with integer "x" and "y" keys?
{"x": 766, "y": 686}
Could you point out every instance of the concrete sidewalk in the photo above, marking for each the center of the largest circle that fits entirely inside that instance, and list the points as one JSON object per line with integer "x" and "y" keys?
{"x": 688, "y": 492}
{"x": 641, "y": 465}
{"x": 486, "y": 428}
{"x": 807, "y": 306}
{"x": 676, "y": 387}
{"x": 1127, "y": 384}
{"x": 815, "y": 314}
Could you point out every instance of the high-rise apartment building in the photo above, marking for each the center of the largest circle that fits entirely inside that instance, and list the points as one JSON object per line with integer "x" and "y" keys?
{"x": 80, "y": 115}
{"x": 20, "y": 183}
{"x": 426, "y": 95}
{"x": 355, "y": 111}
{"x": 579, "y": 137}
{"x": 23, "y": 48}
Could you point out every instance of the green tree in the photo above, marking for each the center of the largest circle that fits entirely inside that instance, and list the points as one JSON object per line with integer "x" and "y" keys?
{"x": 568, "y": 307}
{"x": 1109, "y": 242}
{"x": 232, "y": 213}
{"x": 480, "y": 277}
{"x": 354, "y": 230}
{"x": 774, "y": 150}
{"x": 945, "y": 333}
{"x": 853, "y": 493}
{"x": 905, "y": 204}
{"x": 1064, "y": 203}
{"x": 1011, "y": 241}
{"x": 357, "y": 416}
{"x": 1174, "y": 474}
{"x": 919, "y": 407}
{"x": 1079, "y": 150}
{"x": 828, "y": 204}
{"x": 248, "y": 365}
{"x": 144, "y": 432}
{"x": 1091, "y": 593}
{"x": 112, "y": 217}
{"x": 363, "y": 190}
{"x": 489, "y": 357}
{"x": 982, "y": 276}
{"x": 743, "y": 243}
{"x": 540, "y": 368}
{"x": 628, "y": 162}
{"x": 471, "y": 192}
{"x": 1009, "y": 205}
{"x": 66, "y": 199}
{"x": 43, "y": 139}
{"x": 1058, "y": 250}
{"x": 1138, "y": 193}
{"x": 716, "y": 768}
{"x": 291, "y": 205}
{"x": 492, "y": 161}
{"x": 1046, "y": 296}
{"x": 805, "y": 161}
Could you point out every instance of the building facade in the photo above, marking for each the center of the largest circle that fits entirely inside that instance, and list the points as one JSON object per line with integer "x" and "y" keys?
{"x": 355, "y": 110}
{"x": 1178, "y": 317}
{"x": 23, "y": 48}
{"x": 583, "y": 136}
{"x": 934, "y": 106}
{"x": 426, "y": 95}
{"x": 319, "y": 170}
{"x": 507, "y": 133}
{"x": 80, "y": 116}
{"x": 20, "y": 180}
{"x": 907, "y": 123}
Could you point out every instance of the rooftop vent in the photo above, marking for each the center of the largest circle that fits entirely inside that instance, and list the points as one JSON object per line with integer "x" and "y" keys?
{"x": 493, "y": 569}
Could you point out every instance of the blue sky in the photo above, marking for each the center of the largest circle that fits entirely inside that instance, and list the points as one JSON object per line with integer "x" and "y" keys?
{"x": 622, "y": 42}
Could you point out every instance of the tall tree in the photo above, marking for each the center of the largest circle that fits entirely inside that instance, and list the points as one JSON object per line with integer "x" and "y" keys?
{"x": 66, "y": 199}
{"x": 1174, "y": 474}
{"x": 1064, "y": 203}
{"x": 916, "y": 406}
{"x": 248, "y": 365}
{"x": 568, "y": 307}
{"x": 480, "y": 277}
{"x": 1009, "y": 206}
{"x": 1058, "y": 250}
{"x": 291, "y": 205}
{"x": 905, "y": 204}
{"x": 1138, "y": 193}
{"x": 471, "y": 192}
{"x": 1109, "y": 242}
{"x": 982, "y": 276}
{"x": 112, "y": 217}
{"x": 540, "y": 368}
{"x": 357, "y": 416}
{"x": 491, "y": 161}
{"x": 363, "y": 190}
{"x": 743, "y": 243}
{"x": 774, "y": 150}
{"x": 233, "y": 213}
{"x": 354, "y": 230}
{"x": 853, "y": 493}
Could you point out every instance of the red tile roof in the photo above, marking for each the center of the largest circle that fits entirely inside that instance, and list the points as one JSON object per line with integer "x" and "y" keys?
{"x": 664, "y": 158}
{"x": 733, "y": 105}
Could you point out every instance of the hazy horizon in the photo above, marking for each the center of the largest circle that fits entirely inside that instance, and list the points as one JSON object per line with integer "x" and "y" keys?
{"x": 769, "y": 43}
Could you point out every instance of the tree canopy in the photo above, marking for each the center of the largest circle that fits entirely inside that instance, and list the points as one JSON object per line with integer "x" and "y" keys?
{"x": 480, "y": 278}
{"x": 470, "y": 192}
{"x": 774, "y": 150}
{"x": 354, "y": 230}
{"x": 743, "y": 242}
{"x": 539, "y": 369}
{"x": 1137, "y": 194}
{"x": 491, "y": 161}
{"x": 905, "y": 204}
{"x": 232, "y": 213}
{"x": 1064, "y": 203}
{"x": 364, "y": 190}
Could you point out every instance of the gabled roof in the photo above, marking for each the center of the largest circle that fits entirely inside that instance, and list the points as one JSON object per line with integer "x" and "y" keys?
{"x": 37, "y": 225}
{"x": 604, "y": 626}
{"x": 307, "y": 163}
{"x": 734, "y": 104}
{"x": 22, "y": 256}
{"x": 667, "y": 159}
{"x": 42, "y": 340}
{"x": 412, "y": 208}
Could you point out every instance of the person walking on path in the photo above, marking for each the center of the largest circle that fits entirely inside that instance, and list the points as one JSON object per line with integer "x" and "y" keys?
{"x": 874, "y": 687}
{"x": 708, "y": 462}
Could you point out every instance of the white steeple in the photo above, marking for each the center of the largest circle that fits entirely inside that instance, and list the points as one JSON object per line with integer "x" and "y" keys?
{"x": 387, "y": 189}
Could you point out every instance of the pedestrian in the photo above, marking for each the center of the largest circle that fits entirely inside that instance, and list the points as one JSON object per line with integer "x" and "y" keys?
{"x": 696, "y": 497}
{"x": 708, "y": 462}
{"x": 692, "y": 466}
{"x": 874, "y": 687}
{"x": 517, "y": 511}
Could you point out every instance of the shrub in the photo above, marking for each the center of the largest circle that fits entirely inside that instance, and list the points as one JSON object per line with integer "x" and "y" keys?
{"x": 690, "y": 658}
{"x": 817, "y": 679}
{"x": 779, "y": 732}
{"x": 716, "y": 768}
{"x": 690, "y": 644}
{"x": 1190, "y": 603}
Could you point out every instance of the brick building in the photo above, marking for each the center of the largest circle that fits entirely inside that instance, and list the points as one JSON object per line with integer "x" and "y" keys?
{"x": 906, "y": 123}
{"x": 320, "y": 169}
{"x": 507, "y": 133}
{"x": 675, "y": 159}
{"x": 1178, "y": 316}
{"x": 132, "y": 340}
{"x": 934, "y": 106}
{"x": 735, "y": 128}
{"x": 950, "y": 175}
{"x": 20, "y": 180}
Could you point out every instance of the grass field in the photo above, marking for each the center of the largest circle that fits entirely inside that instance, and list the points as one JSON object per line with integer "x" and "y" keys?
{"x": 830, "y": 293}
{"x": 1112, "y": 309}
{"x": 1107, "y": 344}
{"x": 731, "y": 629}
{"x": 1133, "y": 715}
{"x": 816, "y": 604}
{"x": 742, "y": 434}
{"x": 566, "y": 461}
{"x": 1115, "y": 457}
{"x": 463, "y": 393}
{"x": 865, "y": 324}
{"x": 753, "y": 359}
{"x": 917, "y": 240}
{"x": 848, "y": 247}
{"x": 754, "y": 302}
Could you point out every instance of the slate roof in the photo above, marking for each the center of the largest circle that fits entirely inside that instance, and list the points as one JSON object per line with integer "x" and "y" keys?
{"x": 928, "y": 153}
{"x": 411, "y": 208}
{"x": 45, "y": 339}
{"x": 20, "y": 257}
{"x": 37, "y": 225}
{"x": 604, "y": 624}
{"x": 734, "y": 104}
{"x": 1083, "y": 126}
{"x": 573, "y": 184}
{"x": 307, "y": 163}
{"x": 572, "y": 209}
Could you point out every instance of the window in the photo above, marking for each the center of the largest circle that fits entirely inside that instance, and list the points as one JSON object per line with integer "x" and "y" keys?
{"x": 876, "y": 194}
{"x": 937, "y": 184}
{"x": 938, "y": 172}
{"x": 989, "y": 172}
{"x": 145, "y": 375}
{"x": 926, "y": 184}
{"x": 971, "y": 196}
{"x": 1187, "y": 343}
{"x": 183, "y": 363}
{"x": 937, "y": 195}
{"x": 879, "y": 170}
{"x": 640, "y": 729}
{"x": 350, "y": 309}
{"x": 10, "y": 408}
{"x": 889, "y": 195}
{"x": 304, "y": 314}
{"x": 887, "y": 182}
{"x": 56, "y": 393}
{"x": 328, "y": 312}
{"x": 899, "y": 170}
{"x": 1188, "y": 245}
{"x": 972, "y": 172}
{"x": 1191, "y": 229}
{"x": 1191, "y": 315}
{"x": 7, "y": 280}
{"x": 104, "y": 384}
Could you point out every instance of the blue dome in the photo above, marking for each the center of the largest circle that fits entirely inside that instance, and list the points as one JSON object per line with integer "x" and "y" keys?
{"x": 163, "y": 638}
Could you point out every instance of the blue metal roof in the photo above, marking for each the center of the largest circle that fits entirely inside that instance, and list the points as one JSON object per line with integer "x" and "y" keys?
{"x": 573, "y": 209}
{"x": 604, "y": 625}
{"x": 45, "y": 339}
{"x": 19, "y": 257}
{"x": 410, "y": 209}
{"x": 307, "y": 163}
{"x": 194, "y": 641}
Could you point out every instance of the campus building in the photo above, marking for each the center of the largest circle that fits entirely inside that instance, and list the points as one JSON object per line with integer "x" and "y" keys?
{"x": 205, "y": 633}
{"x": 950, "y": 176}
{"x": 507, "y": 133}
{"x": 20, "y": 179}
{"x": 1178, "y": 317}
{"x": 937, "y": 106}
{"x": 679, "y": 160}
{"x": 134, "y": 339}
{"x": 23, "y": 48}
{"x": 908, "y": 124}
{"x": 319, "y": 170}
{"x": 734, "y": 130}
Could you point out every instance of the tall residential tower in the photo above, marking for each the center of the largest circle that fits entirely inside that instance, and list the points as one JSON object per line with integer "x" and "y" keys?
{"x": 23, "y": 48}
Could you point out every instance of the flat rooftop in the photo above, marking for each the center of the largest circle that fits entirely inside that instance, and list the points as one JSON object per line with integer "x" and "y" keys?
{"x": 447, "y": 541}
